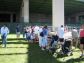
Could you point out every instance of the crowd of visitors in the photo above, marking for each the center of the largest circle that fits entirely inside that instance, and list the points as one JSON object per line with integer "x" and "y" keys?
{"x": 66, "y": 38}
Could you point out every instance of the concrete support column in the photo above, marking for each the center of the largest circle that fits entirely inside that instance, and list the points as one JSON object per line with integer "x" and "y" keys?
{"x": 57, "y": 13}
{"x": 22, "y": 13}
{"x": 26, "y": 11}
{"x": 11, "y": 18}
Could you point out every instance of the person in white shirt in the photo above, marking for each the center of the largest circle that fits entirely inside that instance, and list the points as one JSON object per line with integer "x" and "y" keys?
{"x": 4, "y": 32}
{"x": 60, "y": 33}
{"x": 36, "y": 31}
{"x": 75, "y": 37}
{"x": 68, "y": 36}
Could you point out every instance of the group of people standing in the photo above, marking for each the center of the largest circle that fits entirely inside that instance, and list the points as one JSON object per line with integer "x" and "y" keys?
{"x": 41, "y": 33}
{"x": 37, "y": 33}
{"x": 73, "y": 37}
{"x": 30, "y": 33}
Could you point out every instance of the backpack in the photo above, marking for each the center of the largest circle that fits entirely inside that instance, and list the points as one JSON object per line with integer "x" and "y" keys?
{"x": 42, "y": 34}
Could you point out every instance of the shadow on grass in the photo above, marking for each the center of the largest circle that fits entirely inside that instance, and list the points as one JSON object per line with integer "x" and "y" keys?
{"x": 36, "y": 55}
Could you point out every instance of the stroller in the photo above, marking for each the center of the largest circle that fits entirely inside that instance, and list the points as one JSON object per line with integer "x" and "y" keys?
{"x": 53, "y": 44}
{"x": 66, "y": 50}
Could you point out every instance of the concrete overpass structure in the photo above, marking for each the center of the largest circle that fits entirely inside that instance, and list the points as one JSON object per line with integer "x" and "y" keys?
{"x": 21, "y": 10}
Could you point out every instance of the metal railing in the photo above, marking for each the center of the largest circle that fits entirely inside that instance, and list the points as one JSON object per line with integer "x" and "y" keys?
{"x": 12, "y": 26}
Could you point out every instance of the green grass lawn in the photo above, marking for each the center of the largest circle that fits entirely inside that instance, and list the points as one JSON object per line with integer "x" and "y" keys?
{"x": 20, "y": 51}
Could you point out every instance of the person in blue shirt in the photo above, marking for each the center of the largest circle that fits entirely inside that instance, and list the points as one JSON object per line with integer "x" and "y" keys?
{"x": 18, "y": 31}
{"x": 44, "y": 41}
{"x": 4, "y": 32}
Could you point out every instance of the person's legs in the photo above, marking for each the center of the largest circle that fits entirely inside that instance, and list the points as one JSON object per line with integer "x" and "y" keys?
{"x": 72, "y": 44}
{"x": 46, "y": 42}
{"x": 76, "y": 40}
{"x": 81, "y": 48}
{"x": 4, "y": 41}
{"x": 42, "y": 43}
{"x": 18, "y": 34}
{"x": 81, "y": 45}
{"x": 24, "y": 34}
{"x": 61, "y": 42}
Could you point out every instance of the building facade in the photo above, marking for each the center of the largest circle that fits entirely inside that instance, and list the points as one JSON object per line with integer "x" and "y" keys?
{"x": 55, "y": 12}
